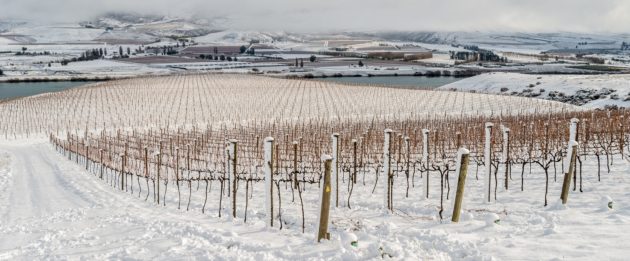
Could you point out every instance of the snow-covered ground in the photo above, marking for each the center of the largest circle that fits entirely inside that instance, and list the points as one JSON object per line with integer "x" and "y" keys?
{"x": 51, "y": 208}
{"x": 595, "y": 91}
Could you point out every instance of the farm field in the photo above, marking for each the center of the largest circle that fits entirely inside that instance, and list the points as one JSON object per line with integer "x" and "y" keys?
{"x": 181, "y": 167}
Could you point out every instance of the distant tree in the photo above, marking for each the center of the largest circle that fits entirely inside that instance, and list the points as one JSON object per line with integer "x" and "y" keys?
{"x": 120, "y": 50}
{"x": 229, "y": 59}
{"x": 222, "y": 57}
{"x": 202, "y": 56}
{"x": 216, "y": 50}
{"x": 235, "y": 59}
{"x": 313, "y": 58}
{"x": 296, "y": 62}
{"x": 209, "y": 56}
{"x": 49, "y": 64}
{"x": 128, "y": 51}
{"x": 24, "y": 49}
{"x": 177, "y": 45}
{"x": 1, "y": 72}
{"x": 243, "y": 48}
{"x": 184, "y": 44}
{"x": 360, "y": 63}
{"x": 216, "y": 57}
{"x": 105, "y": 51}
{"x": 301, "y": 63}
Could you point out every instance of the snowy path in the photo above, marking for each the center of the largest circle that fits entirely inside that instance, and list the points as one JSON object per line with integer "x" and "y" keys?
{"x": 51, "y": 208}
{"x": 54, "y": 209}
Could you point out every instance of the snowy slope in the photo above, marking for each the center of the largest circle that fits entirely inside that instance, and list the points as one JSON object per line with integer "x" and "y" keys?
{"x": 594, "y": 91}
{"x": 51, "y": 208}
{"x": 57, "y": 33}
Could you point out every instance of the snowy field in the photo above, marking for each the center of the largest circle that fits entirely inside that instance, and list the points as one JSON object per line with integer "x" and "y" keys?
{"x": 54, "y": 209}
{"x": 593, "y": 91}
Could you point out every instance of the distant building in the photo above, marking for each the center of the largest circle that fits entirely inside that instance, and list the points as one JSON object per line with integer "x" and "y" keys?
{"x": 394, "y": 52}
{"x": 195, "y": 51}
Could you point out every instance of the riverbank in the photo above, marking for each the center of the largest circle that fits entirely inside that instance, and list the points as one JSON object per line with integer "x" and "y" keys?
{"x": 83, "y": 78}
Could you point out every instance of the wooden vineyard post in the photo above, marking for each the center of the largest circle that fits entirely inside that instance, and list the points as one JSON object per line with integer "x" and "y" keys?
{"x": 387, "y": 181}
{"x": 573, "y": 145}
{"x": 146, "y": 164}
{"x": 295, "y": 165}
{"x": 335, "y": 168}
{"x": 124, "y": 164}
{"x": 122, "y": 171}
{"x": 573, "y": 136}
{"x": 232, "y": 163}
{"x": 87, "y": 156}
{"x": 100, "y": 155}
{"x": 425, "y": 160}
{"x": 573, "y": 129}
{"x": 464, "y": 158}
{"x": 407, "y": 163}
{"x": 324, "y": 208}
{"x": 488, "y": 158}
{"x": 157, "y": 178}
{"x": 268, "y": 162}
{"x": 354, "y": 161}
{"x": 506, "y": 155}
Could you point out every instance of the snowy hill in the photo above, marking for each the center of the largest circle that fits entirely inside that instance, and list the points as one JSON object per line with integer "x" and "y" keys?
{"x": 522, "y": 42}
{"x": 155, "y": 25}
{"x": 594, "y": 91}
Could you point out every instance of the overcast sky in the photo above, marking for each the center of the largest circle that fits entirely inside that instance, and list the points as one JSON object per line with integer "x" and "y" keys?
{"x": 326, "y": 15}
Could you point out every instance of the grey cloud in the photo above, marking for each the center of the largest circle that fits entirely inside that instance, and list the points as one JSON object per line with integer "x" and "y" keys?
{"x": 324, "y": 15}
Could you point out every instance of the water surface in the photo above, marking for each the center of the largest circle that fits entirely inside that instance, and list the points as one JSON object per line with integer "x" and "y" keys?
{"x": 20, "y": 89}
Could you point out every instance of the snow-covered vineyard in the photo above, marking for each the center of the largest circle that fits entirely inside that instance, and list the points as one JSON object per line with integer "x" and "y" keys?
{"x": 239, "y": 100}
{"x": 223, "y": 167}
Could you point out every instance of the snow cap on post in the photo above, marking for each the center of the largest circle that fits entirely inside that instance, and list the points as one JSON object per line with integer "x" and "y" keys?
{"x": 575, "y": 120}
{"x": 326, "y": 157}
{"x": 295, "y": 143}
{"x": 425, "y": 131}
{"x": 269, "y": 139}
{"x": 388, "y": 131}
{"x": 354, "y": 140}
{"x": 463, "y": 151}
{"x": 335, "y": 134}
{"x": 489, "y": 124}
{"x": 232, "y": 141}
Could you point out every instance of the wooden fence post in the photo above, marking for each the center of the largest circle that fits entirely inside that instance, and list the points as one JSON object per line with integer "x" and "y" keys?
{"x": 573, "y": 145}
{"x": 324, "y": 208}
{"x": 268, "y": 166}
{"x": 463, "y": 158}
